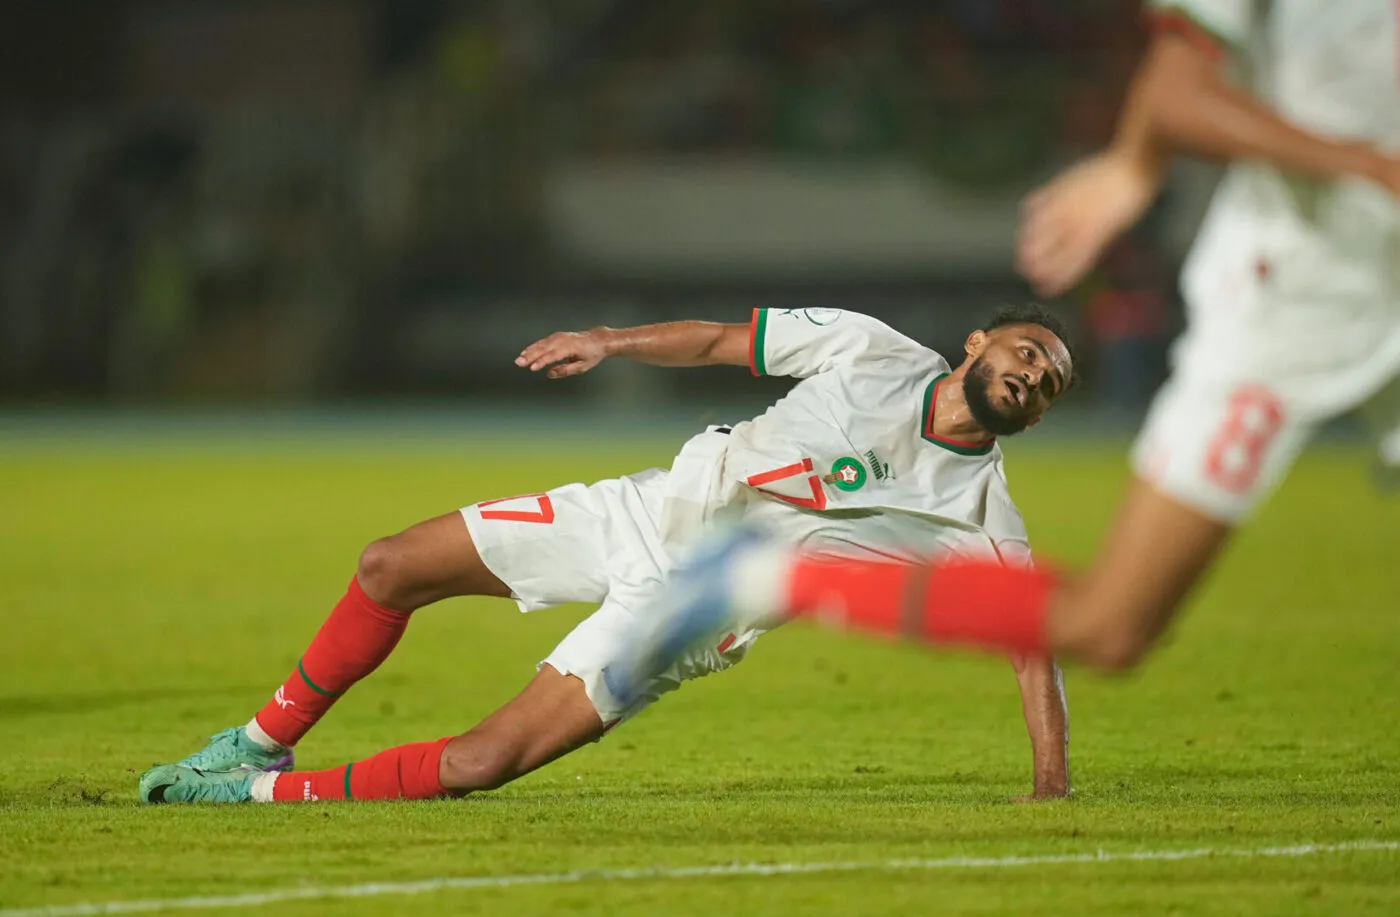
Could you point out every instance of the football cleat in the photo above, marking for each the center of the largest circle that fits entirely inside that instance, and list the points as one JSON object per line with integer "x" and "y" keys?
{"x": 177, "y": 783}
{"x": 232, "y": 750}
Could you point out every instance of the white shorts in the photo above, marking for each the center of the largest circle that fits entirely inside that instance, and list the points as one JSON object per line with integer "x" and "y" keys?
{"x": 1285, "y": 332}
{"x": 596, "y": 543}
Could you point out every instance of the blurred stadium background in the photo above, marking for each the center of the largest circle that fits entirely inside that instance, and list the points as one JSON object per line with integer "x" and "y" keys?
{"x": 316, "y": 201}
{"x": 264, "y": 267}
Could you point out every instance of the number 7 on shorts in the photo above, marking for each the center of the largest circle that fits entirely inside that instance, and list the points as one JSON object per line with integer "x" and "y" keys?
{"x": 543, "y": 511}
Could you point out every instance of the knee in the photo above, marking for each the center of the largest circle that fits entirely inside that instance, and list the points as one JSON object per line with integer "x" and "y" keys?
{"x": 477, "y": 761}
{"x": 379, "y": 573}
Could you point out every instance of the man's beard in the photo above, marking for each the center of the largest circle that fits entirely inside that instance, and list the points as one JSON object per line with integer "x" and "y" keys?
{"x": 977, "y": 386}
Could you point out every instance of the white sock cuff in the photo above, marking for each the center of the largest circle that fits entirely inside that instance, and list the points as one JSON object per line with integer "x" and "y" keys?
{"x": 260, "y": 737}
{"x": 262, "y": 787}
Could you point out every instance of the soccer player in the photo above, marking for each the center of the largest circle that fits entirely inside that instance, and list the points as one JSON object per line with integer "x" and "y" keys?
{"x": 882, "y": 450}
{"x": 1293, "y": 297}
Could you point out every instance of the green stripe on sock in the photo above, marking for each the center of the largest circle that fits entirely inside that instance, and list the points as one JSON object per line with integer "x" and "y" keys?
{"x": 311, "y": 684}
{"x": 348, "y": 769}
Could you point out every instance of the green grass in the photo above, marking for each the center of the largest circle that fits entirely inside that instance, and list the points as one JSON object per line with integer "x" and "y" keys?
{"x": 153, "y": 597}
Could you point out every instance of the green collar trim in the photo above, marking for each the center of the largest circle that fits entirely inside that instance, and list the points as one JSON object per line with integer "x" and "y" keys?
{"x": 952, "y": 445}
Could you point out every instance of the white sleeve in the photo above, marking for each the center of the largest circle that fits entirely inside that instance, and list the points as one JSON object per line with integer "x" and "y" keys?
{"x": 1007, "y": 529}
{"x": 1219, "y": 25}
{"x": 805, "y": 342}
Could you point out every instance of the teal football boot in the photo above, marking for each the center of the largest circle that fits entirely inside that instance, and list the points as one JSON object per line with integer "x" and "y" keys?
{"x": 176, "y": 783}
{"x": 232, "y": 750}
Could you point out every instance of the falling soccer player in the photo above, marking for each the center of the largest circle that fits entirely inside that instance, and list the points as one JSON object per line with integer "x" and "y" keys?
{"x": 883, "y": 450}
{"x": 1293, "y": 299}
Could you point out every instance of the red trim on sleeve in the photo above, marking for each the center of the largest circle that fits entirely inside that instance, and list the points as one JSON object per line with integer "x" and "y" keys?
{"x": 1179, "y": 23}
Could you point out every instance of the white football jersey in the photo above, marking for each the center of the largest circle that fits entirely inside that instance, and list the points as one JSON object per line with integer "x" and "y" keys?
{"x": 847, "y": 462}
{"x": 1290, "y": 271}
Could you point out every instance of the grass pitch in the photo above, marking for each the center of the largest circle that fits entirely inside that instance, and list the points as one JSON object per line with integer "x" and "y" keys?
{"x": 153, "y": 596}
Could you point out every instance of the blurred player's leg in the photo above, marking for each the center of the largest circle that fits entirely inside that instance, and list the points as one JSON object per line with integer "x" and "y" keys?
{"x": 1209, "y": 452}
{"x": 1157, "y": 550}
{"x": 550, "y": 718}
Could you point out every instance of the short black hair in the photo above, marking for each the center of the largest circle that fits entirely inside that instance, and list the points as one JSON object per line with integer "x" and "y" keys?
{"x": 1036, "y": 314}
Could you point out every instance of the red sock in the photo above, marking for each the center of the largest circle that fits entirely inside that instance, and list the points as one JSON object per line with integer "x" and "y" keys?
{"x": 981, "y": 603}
{"x": 355, "y": 639}
{"x": 405, "y": 772}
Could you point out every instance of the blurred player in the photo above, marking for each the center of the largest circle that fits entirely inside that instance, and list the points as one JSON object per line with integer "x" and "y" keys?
{"x": 883, "y": 450}
{"x": 1293, "y": 294}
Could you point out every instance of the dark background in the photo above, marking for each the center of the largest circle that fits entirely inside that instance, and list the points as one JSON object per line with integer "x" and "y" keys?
{"x": 305, "y": 200}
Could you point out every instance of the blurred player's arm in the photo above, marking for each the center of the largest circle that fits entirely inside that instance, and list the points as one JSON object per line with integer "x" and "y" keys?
{"x": 1179, "y": 102}
{"x": 568, "y": 353}
{"x": 1047, "y": 721}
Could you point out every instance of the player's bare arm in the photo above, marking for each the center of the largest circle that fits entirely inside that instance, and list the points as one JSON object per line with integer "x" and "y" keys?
{"x": 1047, "y": 721}
{"x": 1179, "y": 102}
{"x": 569, "y": 353}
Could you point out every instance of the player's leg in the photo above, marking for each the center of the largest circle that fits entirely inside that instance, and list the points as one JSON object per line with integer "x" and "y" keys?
{"x": 550, "y": 718}
{"x": 395, "y": 576}
{"x": 573, "y": 700}
{"x": 541, "y": 549}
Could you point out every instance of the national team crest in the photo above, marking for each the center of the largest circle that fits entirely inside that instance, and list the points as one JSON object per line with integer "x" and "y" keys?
{"x": 847, "y": 474}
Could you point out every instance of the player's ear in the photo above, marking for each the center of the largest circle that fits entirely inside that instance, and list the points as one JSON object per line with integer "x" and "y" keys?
{"x": 976, "y": 342}
{"x": 1034, "y": 420}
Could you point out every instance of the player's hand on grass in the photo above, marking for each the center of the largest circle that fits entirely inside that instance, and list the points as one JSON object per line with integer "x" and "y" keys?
{"x": 566, "y": 353}
{"x": 1067, "y": 224}
{"x": 1043, "y": 795}
{"x": 1050, "y": 783}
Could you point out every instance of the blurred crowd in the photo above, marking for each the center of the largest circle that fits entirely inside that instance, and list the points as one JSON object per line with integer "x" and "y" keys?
{"x": 228, "y": 190}
{"x": 953, "y": 81}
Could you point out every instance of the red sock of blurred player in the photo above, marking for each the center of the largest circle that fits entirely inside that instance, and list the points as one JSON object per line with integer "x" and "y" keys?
{"x": 356, "y": 638}
{"x": 405, "y": 772}
{"x": 980, "y": 603}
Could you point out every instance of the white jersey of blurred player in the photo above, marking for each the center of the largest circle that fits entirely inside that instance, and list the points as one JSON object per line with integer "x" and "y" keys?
{"x": 847, "y": 463}
{"x": 1293, "y": 284}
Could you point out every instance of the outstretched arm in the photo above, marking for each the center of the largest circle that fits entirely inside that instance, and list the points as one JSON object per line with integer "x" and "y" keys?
{"x": 1047, "y": 721}
{"x": 1179, "y": 101}
{"x": 568, "y": 353}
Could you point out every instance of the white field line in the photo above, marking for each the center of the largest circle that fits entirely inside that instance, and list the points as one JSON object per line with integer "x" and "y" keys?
{"x": 375, "y": 889}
